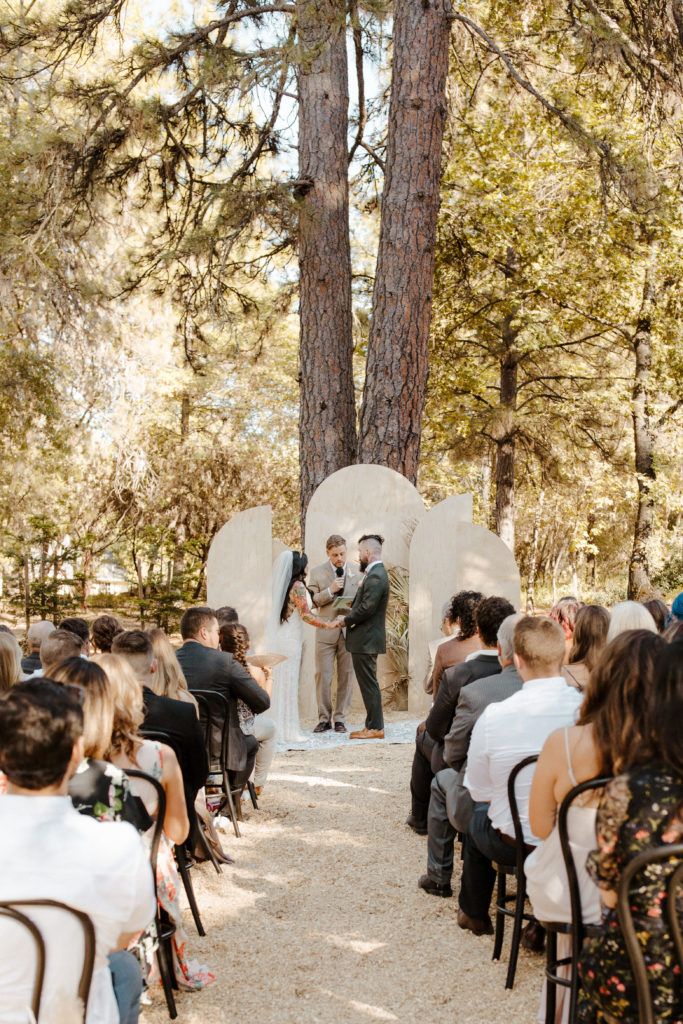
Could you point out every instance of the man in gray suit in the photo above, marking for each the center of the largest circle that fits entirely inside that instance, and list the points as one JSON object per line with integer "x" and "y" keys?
{"x": 335, "y": 578}
{"x": 450, "y": 803}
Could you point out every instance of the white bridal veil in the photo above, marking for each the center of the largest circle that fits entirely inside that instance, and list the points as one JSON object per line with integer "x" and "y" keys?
{"x": 280, "y": 576}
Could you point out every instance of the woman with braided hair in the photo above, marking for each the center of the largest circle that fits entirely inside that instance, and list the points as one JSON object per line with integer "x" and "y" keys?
{"x": 235, "y": 640}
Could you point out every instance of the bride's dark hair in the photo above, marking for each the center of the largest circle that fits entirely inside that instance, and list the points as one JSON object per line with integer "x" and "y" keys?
{"x": 299, "y": 563}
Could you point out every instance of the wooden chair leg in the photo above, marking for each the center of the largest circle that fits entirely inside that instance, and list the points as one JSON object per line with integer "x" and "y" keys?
{"x": 165, "y": 961}
{"x": 500, "y": 916}
{"x": 252, "y": 795}
{"x": 551, "y": 968}
{"x": 189, "y": 888}
{"x": 518, "y": 922}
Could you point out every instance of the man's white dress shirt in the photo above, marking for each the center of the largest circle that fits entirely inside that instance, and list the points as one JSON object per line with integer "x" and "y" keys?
{"x": 505, "y": 734}
{"x": 50, "y": 851}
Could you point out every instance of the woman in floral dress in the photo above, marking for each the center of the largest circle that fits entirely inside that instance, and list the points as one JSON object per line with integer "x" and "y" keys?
{"x": 641, "y": 809}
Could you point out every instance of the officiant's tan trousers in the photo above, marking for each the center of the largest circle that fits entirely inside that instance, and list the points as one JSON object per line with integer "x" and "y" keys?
{"x": 325, "y": 655}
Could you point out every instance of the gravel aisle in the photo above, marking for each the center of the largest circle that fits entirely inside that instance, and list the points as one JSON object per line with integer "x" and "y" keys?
{"x": 320, "y": 919}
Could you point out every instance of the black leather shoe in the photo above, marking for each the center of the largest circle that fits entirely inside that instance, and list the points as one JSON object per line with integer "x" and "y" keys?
{"x": 474, "y": 924}
{"x": 339, "y": 727}
{"x": 322, "y": 727}
{"x": 416, "y": 826}
{"x": 433, "y": 888}
{"x": 533, "y": 936}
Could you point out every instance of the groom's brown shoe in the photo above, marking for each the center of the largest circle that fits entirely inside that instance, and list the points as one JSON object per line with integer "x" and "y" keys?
{"x": 367, "y": 734}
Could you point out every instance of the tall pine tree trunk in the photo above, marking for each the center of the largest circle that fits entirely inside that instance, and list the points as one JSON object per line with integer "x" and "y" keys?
{"x": 327, "y": 416}
{"x": 505, "y": 439}
{"x": 398, "y": 347}
{"x": 639, "y": 585}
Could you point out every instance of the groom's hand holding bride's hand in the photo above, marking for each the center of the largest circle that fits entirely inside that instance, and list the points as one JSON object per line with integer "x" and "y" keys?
{"x": 338, "y": 623}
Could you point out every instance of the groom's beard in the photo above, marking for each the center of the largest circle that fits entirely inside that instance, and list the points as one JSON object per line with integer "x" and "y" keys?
{"x": 363, "y": 565}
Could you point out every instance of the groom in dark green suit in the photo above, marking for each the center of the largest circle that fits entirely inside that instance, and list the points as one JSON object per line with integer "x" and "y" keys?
{"x": 365, "y": 633}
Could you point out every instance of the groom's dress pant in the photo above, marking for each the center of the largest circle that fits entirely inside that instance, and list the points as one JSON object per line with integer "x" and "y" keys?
{"x": 365, "y": 667}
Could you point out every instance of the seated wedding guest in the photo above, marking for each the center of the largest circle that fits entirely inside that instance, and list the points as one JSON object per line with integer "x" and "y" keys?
{"x": 57, "y": 647}
{"x": 659, "y": 612}
{"x": 98, "y": 788}
{"x": 50, "y": 851}
{"x": 564, "y": 613}
{"x": 641, "y": 809}
{"x": 450, "y": 803}
{"x": 674, "y": 631}
{"x": 168, "y": 680}
{"x": 129, "y": 750}
{"x": 612, "y": 722}
{"x": 588, "y": 640}
{"x": 37, "y": 632}
{"x": 10, "y": 661}
{"x": 226, "y": 614}
{"x": 676, "y": 613}
{"x": 104, "y": 629}
{"x": 178, "y": 719}
{"x": 428, "y": 757}
{"x": 235, "y": 640}
{"x": 80, "y": 627}
{"x": 629, "y": 615}
{"x": 505, "y": 734}
{"x": 463, "y": 636}
{"x": 205, "y": 667}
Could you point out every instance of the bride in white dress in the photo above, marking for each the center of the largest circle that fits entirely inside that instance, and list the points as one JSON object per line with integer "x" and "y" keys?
{"x": 291, "y": 607}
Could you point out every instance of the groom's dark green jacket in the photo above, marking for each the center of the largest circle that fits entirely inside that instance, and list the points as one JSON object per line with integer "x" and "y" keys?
{"x": 365, "y": 630}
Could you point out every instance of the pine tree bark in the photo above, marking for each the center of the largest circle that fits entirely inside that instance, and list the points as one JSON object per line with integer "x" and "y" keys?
{"x": 639, "y": 586}
{"x": 505, "y": 439}
{"x": 533, "y": 553}
{"x": 327, "y": 413}
{"x": 398, "y": 347}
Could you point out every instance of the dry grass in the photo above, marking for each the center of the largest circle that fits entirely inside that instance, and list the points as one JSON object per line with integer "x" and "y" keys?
{"x": 320, "y": 921}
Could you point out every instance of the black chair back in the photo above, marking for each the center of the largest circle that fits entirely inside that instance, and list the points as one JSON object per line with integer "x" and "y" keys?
{"x": 514, "y": 810}
{"x": 7, "y": 910}
{"x": 135, "y": 773}
{"x": 88, "y": 941}
{"x": 624, "y": 913}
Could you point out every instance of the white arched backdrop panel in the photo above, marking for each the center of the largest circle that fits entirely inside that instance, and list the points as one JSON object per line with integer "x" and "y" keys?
{"x": 351, "y": 502}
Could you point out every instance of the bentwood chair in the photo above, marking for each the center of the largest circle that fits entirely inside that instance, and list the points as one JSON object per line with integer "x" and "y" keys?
{"x": 214, "y": 715}
{"x": 181, "y": 854}
{"x": 8, "y": 911}
{"x": 164, "y": 926}
{"x": 674, "y": 884}
{"x": 503, "y": 898}
{"x": 576, "y": 928}
{"x": 87, "y": 928}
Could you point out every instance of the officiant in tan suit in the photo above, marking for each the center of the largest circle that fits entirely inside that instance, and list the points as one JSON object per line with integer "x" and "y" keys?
{"x": 335, "y": 578}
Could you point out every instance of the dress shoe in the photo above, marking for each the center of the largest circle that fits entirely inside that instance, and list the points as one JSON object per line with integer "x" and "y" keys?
{"x": 433, "y": 888}
{"x": 257, "y": 790}
{"x": 223, "y": 857}
{"x": 533, "y": 936}
{"x": 339, "y": 727}
{"x": 413, "y": 823}
{"x": 367, "y": 734}
{"x": 473, "y": 924}
{"x": 322, "y": 727}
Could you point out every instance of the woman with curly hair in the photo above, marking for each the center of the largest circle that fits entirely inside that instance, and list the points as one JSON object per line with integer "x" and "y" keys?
{"x": 103, "y": 631}
{"x": 235, "y": 640}
{"x": 463, "y": 641}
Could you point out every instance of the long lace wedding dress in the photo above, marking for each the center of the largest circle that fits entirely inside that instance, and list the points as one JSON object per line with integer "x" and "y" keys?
{"x": 285, "y": 638}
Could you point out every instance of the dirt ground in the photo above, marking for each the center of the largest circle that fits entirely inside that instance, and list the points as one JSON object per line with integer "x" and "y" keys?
{"x": 320, "y": 920}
